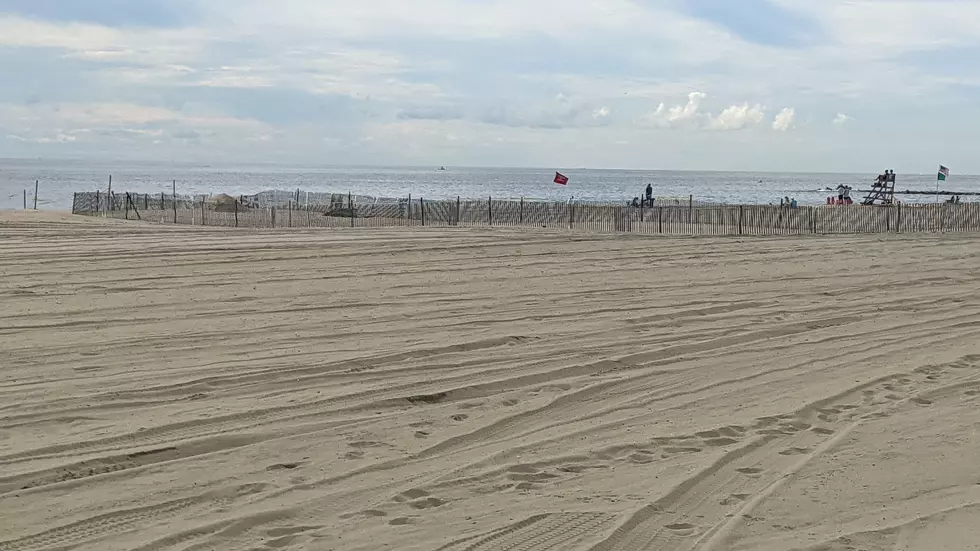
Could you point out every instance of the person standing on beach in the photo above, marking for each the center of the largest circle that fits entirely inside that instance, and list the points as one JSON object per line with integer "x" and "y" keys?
{"x": 649, "y": 195}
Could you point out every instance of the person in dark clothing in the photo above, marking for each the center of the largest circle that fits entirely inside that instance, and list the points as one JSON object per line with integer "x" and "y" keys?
{"x": 649, "y": 195}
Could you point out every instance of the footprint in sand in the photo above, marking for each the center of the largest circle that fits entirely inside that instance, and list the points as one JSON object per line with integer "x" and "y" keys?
{"x": 796, "y": 451}
{"x": 641, "y": 459}
{"x": 460, "y": 418}
{"x": 682, "y": 450}
{"x": 410, "y": 495}
{"x": 366, "y": 444}
{"x": 682, "y": 528}
{"x": 720, "y": 442}
{"x": 282, "y": 467}
{"x": 403, "y": 521}
{"x": 428, "y": 503}
{"x": 922, "y": 401}
{"x": 972, "y": 393}
{"x": 822, "y": 431}
{"x": 371, "y": 513}
{"x": 534, "y": 477}
{"x": 734, "y": 499}
{"x": 751, "y": 471}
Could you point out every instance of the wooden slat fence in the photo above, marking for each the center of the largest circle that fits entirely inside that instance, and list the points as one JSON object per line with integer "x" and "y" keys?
{"x": 691, "y": 219}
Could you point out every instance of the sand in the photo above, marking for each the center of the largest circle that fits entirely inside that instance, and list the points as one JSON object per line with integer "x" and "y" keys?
{"x": 187, "y": 388}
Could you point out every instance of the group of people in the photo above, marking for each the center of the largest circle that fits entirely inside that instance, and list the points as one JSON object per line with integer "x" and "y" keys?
{"x": 786, "y": 202}
{"x": 843, "y": 196}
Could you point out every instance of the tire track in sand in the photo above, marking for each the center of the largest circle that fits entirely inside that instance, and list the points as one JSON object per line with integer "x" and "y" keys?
{"x": 701, "y": 511}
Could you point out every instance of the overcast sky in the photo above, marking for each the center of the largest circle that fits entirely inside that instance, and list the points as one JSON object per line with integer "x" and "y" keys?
{"x": 804, "y": 85}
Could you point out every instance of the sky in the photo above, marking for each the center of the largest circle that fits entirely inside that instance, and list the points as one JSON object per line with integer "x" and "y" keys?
{"x": 780, "y": 85}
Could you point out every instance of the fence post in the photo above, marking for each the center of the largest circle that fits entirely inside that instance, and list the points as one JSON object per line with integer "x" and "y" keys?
{"x": 571, "y": 214}
{"x": 898, "y": 219}
{"x": 273, "y": 212}
{"x": 660, "y": 220}
{"x": 290, "y": 215}
{"x": 408, "y": 209}
{"x": 457, "y": 210}
{"x": 136, "y": 209}
{"x": 236, "y": 213}
{"x": 175, "y": 202}
{"x": 108, "y": 194}
{"x": 127, "y": 206}
{"x": 490, "y": 210}
{"x": 422, "y": 209}
{"x": 202, "y": 211}
{"x": 74, "y": 202}
{"x": 521, "y": 215}
{"x": 36, "y": 183}
{"x": 98, "y": 201}
{"x": 690, "y": 211}
{"x": 741, "y": 213}
{"x": 25, "y": 199}
{"x": 350, "y": 205}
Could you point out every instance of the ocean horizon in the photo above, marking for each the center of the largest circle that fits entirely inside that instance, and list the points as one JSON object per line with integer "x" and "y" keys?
{"x": 59, "y": 179}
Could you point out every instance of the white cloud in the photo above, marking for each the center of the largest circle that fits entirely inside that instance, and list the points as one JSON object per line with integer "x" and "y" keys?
{"x": 690, "y": 115}
{"x": 841, "y": 119}
{"x": 737, "y": 117}
{"x": 784, "y": 120}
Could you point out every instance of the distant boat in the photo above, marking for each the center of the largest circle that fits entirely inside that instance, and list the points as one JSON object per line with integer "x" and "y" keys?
{"x": 442, "y": 168}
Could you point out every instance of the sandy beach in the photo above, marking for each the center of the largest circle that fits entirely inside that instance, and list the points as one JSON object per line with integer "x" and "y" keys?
{"x": 189, "y": 388}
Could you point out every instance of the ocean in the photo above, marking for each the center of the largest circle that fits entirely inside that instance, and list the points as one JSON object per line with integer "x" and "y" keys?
{"x": 58, "y": 180}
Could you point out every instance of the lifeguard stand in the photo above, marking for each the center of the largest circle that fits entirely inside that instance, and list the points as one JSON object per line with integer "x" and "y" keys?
{"x": 883, "y": 190}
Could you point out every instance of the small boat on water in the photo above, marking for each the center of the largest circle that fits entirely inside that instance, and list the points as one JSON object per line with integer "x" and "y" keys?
{"x": 441, "y": 168}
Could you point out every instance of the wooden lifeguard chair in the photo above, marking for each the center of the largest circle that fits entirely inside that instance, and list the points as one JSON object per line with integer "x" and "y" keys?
{"x": 883, "y": 190}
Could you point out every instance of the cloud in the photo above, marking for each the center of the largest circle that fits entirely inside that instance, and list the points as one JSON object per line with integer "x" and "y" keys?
{"x": 489, "y": 81}
{"x": 690, "y": 116}
{"x": 784, "y": 120}
{"x": 738, "y": 117}
{"x": 841, "y": 119}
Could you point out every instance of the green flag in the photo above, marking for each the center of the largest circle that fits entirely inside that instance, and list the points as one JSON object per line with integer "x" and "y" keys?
{"x": 943, "y": 173}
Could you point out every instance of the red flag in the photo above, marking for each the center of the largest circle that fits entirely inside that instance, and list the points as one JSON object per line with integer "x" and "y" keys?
{"x": 560, "y": 179}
